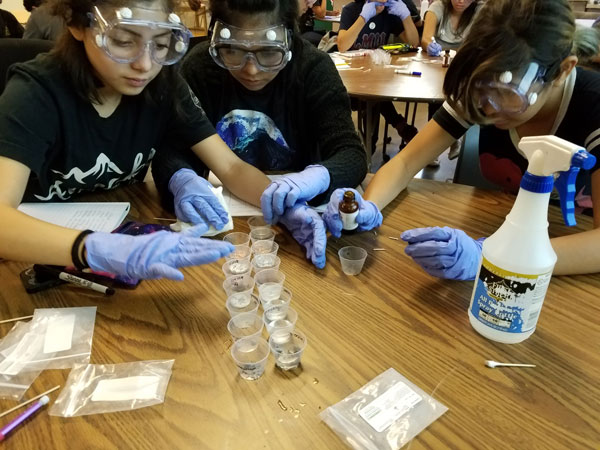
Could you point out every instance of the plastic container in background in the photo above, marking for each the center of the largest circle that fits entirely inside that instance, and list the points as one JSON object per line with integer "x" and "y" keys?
{"x": 239, "y": 305}
{"x": 287, "y": 348}
{"x": 244, "y": 325}
{"x": 265, "y": 247}
{"x": 264, "y": 262}
{"x": 240, "y": 252}
{"x": 257, "y": 222}
{"x": 352, "y": 259}
{"x": 262, "y": 234}
{"x": 280, "y": 319}
{"x": 241, "y": 285}
{"x": 285, "y": 297}
{"x": 237, "y": 238}
{"x": 236, "y": 267}
{"x": 250, "y": 355}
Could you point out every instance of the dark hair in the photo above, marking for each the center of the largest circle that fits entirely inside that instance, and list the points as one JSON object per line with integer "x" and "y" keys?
{"x": 282, "y": 11}
{"x": 30, "y": 4}
{"x": 507, "y": 35}
{"x": 73, "y": 58}
{"x": 465, "y": 18}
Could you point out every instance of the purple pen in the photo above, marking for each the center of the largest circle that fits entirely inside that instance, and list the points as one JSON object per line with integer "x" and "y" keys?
{"x": 29, "y": 412}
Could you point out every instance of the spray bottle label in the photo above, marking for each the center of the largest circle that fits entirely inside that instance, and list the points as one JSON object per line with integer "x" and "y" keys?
{"x": 508, "y": 301}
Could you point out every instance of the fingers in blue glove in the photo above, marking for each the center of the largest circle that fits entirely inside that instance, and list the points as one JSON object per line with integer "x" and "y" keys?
{"x": 211, "y": 210}
{"x": 431, "y": 248}
{"x": 319, "y": 244}
{"x": 266, "y": 202}
{"x": 331, "y": 216}
{"x": 427, "y": 234}
{"x": 160, "y": 270}
{"x": 279, "y": 198}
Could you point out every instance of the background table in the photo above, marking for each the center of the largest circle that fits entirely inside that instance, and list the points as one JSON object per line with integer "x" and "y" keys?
{"x": 372, "y": 84}
{"x": 391, "y": 315}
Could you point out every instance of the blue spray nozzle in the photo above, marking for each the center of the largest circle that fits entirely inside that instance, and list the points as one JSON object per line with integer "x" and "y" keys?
{"x": 565, "y": 184}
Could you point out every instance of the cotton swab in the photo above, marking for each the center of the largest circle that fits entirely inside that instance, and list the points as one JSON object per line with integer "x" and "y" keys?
{"x": 15, "y": 319}
{"x": 14, "y": 408}
{"x": 494, "y": 364}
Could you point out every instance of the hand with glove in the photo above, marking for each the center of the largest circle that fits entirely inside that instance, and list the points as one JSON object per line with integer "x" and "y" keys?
{"x": 308, "y": 229}
{"x": 369, "y": 10}
{"x": 434, "y": 49}
{"x": 444, "y": 252}
{"x": 368, "y": 217}
{"x": 398, "y": 8}
{"x": 195, "y": 201}
{"x": 153, "y": 255}
{"x": 293, "y": 188}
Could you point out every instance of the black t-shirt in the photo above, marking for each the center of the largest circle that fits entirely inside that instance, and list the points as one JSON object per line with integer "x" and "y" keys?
{"x": 578, "y": 121}
{"x": 376, "y": 31}
{"x": 301, "y": 117}
{"x": 70, "y": 148}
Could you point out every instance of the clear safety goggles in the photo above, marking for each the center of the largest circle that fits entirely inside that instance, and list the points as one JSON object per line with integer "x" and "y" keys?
{"x": 268, "y": 48}
{"x": 512, "y": 92}
{"x": 123, "y": 38}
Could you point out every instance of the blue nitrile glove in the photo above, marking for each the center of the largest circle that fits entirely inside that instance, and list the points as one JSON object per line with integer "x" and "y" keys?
{"x": 293, "y": 188}
{"x": 195, "y": 202}
{"x": 434, "y": 49}
{"x": 369, "y": 10}
{"x": 308, "y": 229}
{"x": 398, "y": 8}
{"x": 368, "y": 216}
{"x": 444, "y": 252}
{"x": 154, "y": 255}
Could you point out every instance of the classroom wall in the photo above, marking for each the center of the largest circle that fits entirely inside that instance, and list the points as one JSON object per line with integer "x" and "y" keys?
{"x": 16, "y": 7}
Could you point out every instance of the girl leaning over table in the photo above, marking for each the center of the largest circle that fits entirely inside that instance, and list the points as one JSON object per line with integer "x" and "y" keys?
{"x": 515, "y": 76}
{"x": 280, "y": 104}
{"x": 91, "y": 115}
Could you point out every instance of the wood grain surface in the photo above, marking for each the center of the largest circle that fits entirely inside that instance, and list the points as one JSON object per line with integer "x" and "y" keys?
{"x": 391, "y": 315}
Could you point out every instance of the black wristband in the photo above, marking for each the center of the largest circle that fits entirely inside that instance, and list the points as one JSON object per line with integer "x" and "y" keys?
{"x": 78, "y": 251}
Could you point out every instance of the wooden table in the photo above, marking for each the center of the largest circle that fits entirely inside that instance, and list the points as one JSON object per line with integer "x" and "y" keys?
{"x": 391, "y": 315}
{"x": 372, "y": 83}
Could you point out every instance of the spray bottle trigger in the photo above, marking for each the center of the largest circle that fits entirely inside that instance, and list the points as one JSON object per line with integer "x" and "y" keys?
{"x": 565, "y": 184}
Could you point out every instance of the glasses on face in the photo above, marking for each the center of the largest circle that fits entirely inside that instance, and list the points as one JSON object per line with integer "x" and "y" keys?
{"x": 124, "y": 39}
{"x": 512, "y": 93}
{"x": 267, "y": 48}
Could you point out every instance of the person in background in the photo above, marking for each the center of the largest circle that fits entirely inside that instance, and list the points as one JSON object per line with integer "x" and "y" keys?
{"x": 9, "y": 25}
{"x": 515, "y": 76}
{"x": 314, "y": 9}
{"x": 369, "y": 25}
{"x": 91, "y": 115}
{"x": 449, "y": 22}
{"x": 587, "y": 47}
{"x": 42, "y": 23}
{"x": 280, "y": 104}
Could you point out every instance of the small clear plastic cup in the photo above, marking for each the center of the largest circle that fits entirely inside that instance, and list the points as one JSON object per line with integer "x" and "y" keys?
{"x": 265, "y": 247}
{"x": 262, "y": 234}
{"x": 257, "y": 222}
{"x": 245, "y": 325}
{"x": 281, "y": 318}
{"x": 242, "y": 285}
{"x": 269, "y": 283}
{"x": 287, "y": 348}
{"x": 237, "y": 238}
{"x": 264, "y": 262}
{"x": 285, "y": 297}
{"x": 250, "y": 355}
{"x": 352, "y": 259}
{"x": 236, "y": 267}
{"x": 239, "y": 252}
{"x": 239, "y": 304}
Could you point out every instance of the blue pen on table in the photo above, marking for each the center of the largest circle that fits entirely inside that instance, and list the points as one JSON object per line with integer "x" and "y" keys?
{"x": 408, "y": 72}
{"x": 20, "y": 419}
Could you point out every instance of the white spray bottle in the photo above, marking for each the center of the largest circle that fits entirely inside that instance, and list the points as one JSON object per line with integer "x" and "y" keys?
{"x": 517, "y": 260}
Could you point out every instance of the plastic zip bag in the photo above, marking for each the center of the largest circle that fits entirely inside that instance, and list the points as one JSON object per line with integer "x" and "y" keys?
{"x": 65, "y": 337}
{"x": 13, "y": 380}
{"x": 104, "y": 388}
{"x": 385, "y": 413}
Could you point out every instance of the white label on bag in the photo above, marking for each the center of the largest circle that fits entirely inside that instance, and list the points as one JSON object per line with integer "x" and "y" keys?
{"x": 59, "y": 333}
{"x": 389, "y": 406}
{"x": 130, "y": 388}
